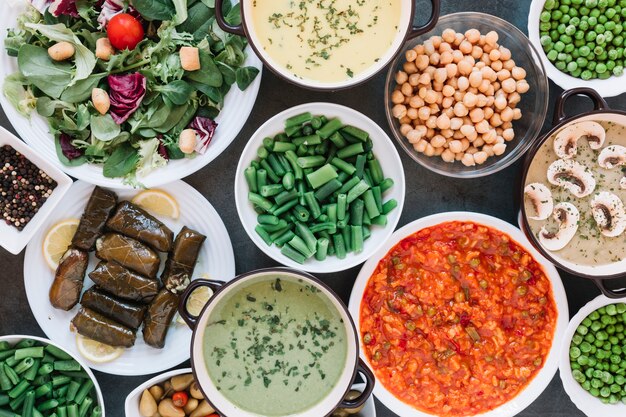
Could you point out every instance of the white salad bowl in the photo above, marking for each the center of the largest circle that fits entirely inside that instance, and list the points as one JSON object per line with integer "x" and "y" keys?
{"x": 131, "y": 404}
{"x": 12, "y": 239}
{"x": 582, "y": 399}
{"x": 237, "y": 107}
{"x": 12, "y": 339}
{"x": 541, "y": 380}
{"x": 610, "y": 87}
{"x": 385, "y": 152}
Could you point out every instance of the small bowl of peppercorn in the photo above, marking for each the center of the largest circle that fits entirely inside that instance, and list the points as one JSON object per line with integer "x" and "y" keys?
{"x": 30, "y": 188}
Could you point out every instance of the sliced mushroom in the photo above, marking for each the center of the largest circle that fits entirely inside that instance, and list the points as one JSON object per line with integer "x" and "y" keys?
{"x": 573, "y": 176}
{"x": 567, "y": 216}
{"x": 566, "y": 141}
{"x": 622, "y": 183}
{"x": 612, "y": 156}
{"x": 608, "y": 212}
{"x": 541, "y": 199}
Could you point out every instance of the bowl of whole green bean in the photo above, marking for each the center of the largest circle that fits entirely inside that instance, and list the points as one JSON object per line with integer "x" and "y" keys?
{"x": 581, "y": 42}
{"x": 593, "y": 358}
{"x": 319, "y": 187}
{"x": 38, "y": 378}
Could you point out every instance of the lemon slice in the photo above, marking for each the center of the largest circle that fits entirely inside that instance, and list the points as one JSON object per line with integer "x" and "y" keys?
{"x": 158, "y": 202}
{"x": 196, "y": 302}
{"x": 57, "y": 240}
{"x": 97, "y": 352}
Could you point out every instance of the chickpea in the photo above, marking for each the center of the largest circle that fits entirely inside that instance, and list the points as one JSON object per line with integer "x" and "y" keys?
{"x": 452, "y": 70}
{"x": 508, "y": 134}
{"x": 436, "y": 40}
{"x": 421, "y": 62}
{"x": 458, "y": 39}
{"x": 401, "y": 77}
{"x": 416, "y": 102}
{"x": 429, "y": 48}
{"x": 460, "y": 110}
{"x": 445, "y": 57}
{"x": 409, "y": 68}
{"x": 479, "y": 65}
{"x": 481, "y": 101}
{"x": 445, "y": 47}
{"x": 518, "y": 73}
{"x": 431, "y": 97}
{"x": 443, "y": 122}
{"x": 468, "y": 130}
{"x": 447, "y": 103}
{"x": 482, "y": 127}
{"x": 470, "y": 99}
{"x": 484, "y": 86}
{"x": 507, "y": 125}
{"x": 398, "y": 111}
{"x": 411, "y": 113}
{"x": 517, "y": 114}
{"x": 404, "y": 120}
{"x": 457, "y": 56}
{"x": 455, "y": 146}
{"x": 488, "y": 149}
{"x": 405, "y": 129}
{"x": 431, "y": 122}
{"x": 410, "y": 55}
{"x": 496, "y": 65}
{"x": 447, "y": 133}
{"x": 448, "y": 35}
{"x": 503, "y": 74}
{"x": 407, "y": 89}
{"x": 414, "y": 79}
{"x": 430, "y": 150}
{"x": 478, "y": 142}
{"x": 480, "y": 157}
{"x": 472, "y": 35}
{"x": 397, "y": 97}
{"x": 487, "y": 48}
{"x": 475, "y": 78}
{"x": 463, "y": 83}
{"x": 420, "y": 146}
{"x": 187, "y": 141}
{"x": 447, "y": 155}
{"x": 507, "y": 114}
{"x": 509, "y": 85}
{"x": 441, "y": 75}
{"x": 414, "y": 136}
{"x": 514, "y": 98}
{"x": 434, "y": 58}
{"x": 489, "y": 136}
{"x": 465, "y": 67}
{"x": 499, "y": 148}
{"x": 489, "y": 74}
{"x": 495, "y": 120}
{"x": 522, "y": 87}
{"x": 424, "y": 79}
{"x": 453, "y": 82}
{"x": 488, "y": 112}
{"x": 419, "y": 49}
{"x": 491, "y": 38}
{"x": 476, "y": 115}
{"x": 438, "y": 141}
{"x": 456, "y": 123}
{"x": 468, "y": 160}
{"x": 465, "y": 47}
{"x": 477, "y": 52}
{"x": 505, "y": 53}
{"x": 485, "y": 59}
{"x": 430, "y": 133}
{"x": 423, "y": 113}
{"x": 448, "y": 91}
{"x": 510, "y": 64}
{"x": 494, "y": 55}
{"x": 490, "y": 92}
{"x": 500, "y": 102}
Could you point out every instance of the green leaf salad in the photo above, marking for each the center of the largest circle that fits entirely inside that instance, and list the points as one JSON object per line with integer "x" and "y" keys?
{"x": 118, "y": 101}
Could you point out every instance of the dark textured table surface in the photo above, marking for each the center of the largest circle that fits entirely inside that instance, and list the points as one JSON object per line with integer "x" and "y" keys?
{"x": 427, "y": 193}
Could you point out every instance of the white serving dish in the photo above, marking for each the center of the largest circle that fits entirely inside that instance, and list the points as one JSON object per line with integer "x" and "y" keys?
{"x": 610, "y": 87}
{"x": 131, "y": 405}
{"x": 12, "y": 239}
{"x": 384, "y": 150}
{"x": 216, "y": 259}
{"x": 237, "y": 107}
{"x": 585, "y": 402}
{"x": 19, "y": 337}
{"x": 540, "y": 381}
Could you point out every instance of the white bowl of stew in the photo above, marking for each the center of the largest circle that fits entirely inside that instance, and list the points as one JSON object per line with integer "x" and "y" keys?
{"x": 324, "y": 46}
{"x": 441, "y": 286}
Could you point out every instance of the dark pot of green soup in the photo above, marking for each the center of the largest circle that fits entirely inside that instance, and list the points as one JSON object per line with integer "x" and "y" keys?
{"x": 275, "y": 342}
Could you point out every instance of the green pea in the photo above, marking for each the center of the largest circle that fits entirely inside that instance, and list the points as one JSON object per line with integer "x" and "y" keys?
{"x": 570, "y": 30}
{"x": 552, "y": 54}
{"x": 591, "y": 35}
{"x": 545, "y": 16}
{"x": 600, "y": 39}
{"x": 572, "y": 66}
{"x": 584, "y": 50}
{"x": 584, "y": 25}
{"x": 544, "y": 27}
{"x": 550, "y": 4}
{"x": 591, "y": 3}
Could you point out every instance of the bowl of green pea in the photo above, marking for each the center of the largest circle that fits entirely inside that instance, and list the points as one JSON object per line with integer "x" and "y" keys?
{"x": 38, "y": 378}
{"x": 593, "y": 358}
{"x": 582, "y": 42}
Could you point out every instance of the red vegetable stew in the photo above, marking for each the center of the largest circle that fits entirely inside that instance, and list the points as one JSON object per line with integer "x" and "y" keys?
{"x": 457, "y": 319}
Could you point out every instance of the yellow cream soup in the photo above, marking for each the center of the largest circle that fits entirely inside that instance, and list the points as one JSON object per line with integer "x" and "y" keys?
{"x": 326, "y": 40}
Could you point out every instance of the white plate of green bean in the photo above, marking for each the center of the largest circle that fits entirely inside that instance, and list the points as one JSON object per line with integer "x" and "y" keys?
{"x": 319, "y": 187}
{"x": 40, "y": 377}
{"x": 584, "y": 383}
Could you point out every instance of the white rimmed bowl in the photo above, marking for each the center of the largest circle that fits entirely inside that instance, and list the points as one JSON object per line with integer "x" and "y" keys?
{"x": 131, "y": 405}
{"x": 385, "y": 152}
{"x": 540, "y": 381}
{"x": 237, "y": 107}
{"x": 610, "y": 87}
{"x": 585, "y": 402}
{"x": 12, "y": 339}
{"x": 12, "y": 239}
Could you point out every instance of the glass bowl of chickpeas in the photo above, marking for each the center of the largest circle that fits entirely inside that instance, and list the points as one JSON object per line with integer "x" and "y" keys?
{"x": 468, "y": 98}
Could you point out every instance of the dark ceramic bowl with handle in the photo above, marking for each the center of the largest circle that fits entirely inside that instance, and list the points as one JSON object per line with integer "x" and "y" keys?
{"x": 600, "y": 272}
{"x": 361, "y": 35}
{"x": 240, "y": 312}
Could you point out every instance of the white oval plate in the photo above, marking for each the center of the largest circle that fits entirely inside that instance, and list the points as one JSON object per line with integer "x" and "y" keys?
{"x": 237, "y": 107}
{"x": 541, "y": 380}
{"x": 216, "y": 259}
{"x": 610, "y": 87}
{"x": 385, "y": 152}
{"x": 131, "y": 404}
{"x": 586, "y": 402}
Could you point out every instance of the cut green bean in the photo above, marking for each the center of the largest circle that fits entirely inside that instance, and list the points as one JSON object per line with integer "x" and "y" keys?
{"x": 285, "y": 207}
{"x": 262, "y": 153}
{"x": 83, "y": 391}
{"x": 271, "y": 190}
{"x": 332, "y": 213}
{"x": 6, "y": 354}
{"x": 271, "y": 228}
{"x": 283, "y": 147}
{"x": 338, "y": 140}
{"x": 340, "y": 247}
{"x": 329, "y": 128}
{"x": 378, "y": 198}
{"x": 307, "y": 236}
{"x": 357, "y": 238}
{"x": 84, "y": 407}
{"x": 293, "y": 254}
{"x": 16, "y": 403}
{"x": 96, "y": 412}
{"x": 289, "y": 181}
{"x": 267, "y": 219}
{"x": 293, "y": 131}
{"x": 4, "y": 399}
{"x": 29, "y": 404}
{"x": 357, "y": 191}
{"x": 312, "y": 204}
{"x": 31, "y": 374}
{"x": 342, "y": 202}
{"x": 298, "y": 119}
{"x": 62, "y": 410}
{"x": 322, "y": 249}
{"x": 388, "y": 206}
{"x": 343, "y": 165}
{"x": 307, "y": 140}
{"x": 19, "y": 389}
{"x": 360, "y": 165}
{"x": 5, "y": 382}
{"x": 380, "y": 220}
{"x": 311, "y": 161}
{"x": 347, "y": 186}
{"x": 284, "y": 238}
{"x": 11, "y": 361}
{"x": 366, "y": 232}
{"x": 347, "y": 239}
{"x": 24, "y": 365}
{"x": 7, "y": 413}
{"x": 25, "y": 343}
{"x": 329, "y": 227}
{"x": 72, "y": 410}
{"x": 59, "y": 380}
{"x": 270, "y": 171}
{"x": 386, "y": 184}
{"x": 327, "y": 189}
{"x": 376, "y": 172}
{"x": 263, "y": 234}
{"x": 251, "y": 179}
{"x": 48, "y": 405}
{"x": 286, "y": 196}
{"x": 32, "y": 352}
{"x": 293, "y": 161}
{"x": 10, "y": 373}
{"x": 356, "y": 132}
{"x": 370, "y": 204}
{"x": 45, "y": 369}
{"x": 301, "y": 213}
{"x": 350, "y": 150}
{"x": 44, "y": 389}
{"x": 260, "y": 201}
{"x": 298, "y": 244}
{"x": 4, "y": 346}
{"x": 356, "y": 212}
{"x": 277, "y": 167}
{"x": 321, "y": 176}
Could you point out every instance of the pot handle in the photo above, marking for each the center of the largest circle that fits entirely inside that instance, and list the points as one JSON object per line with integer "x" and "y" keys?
{"x": 182, "y": 305}
{"x": 432, "y": 21}
{"x": 600, "y": 283}
{"x": 559, "y": 112}
{"x": 368, "y": 375}
{"x": 223, "y": 24}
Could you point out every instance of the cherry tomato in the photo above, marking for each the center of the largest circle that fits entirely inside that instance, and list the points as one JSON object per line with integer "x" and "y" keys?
{"x": 180, "y": 399}
{"x": 124, "y": 31}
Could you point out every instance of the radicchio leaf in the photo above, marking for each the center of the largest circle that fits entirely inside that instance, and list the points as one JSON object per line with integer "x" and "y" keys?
{"x": 126, "y": 93}
{"x": 162, "y": 150}
{"x": 64, "y": 7}
{"x": 205, "y": 129}
{"x": 69, "y": 150}
{"x": 111, "y": 8}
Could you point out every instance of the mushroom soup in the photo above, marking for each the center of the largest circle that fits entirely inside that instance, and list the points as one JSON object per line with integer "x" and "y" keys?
{"x": 575, "y": 192}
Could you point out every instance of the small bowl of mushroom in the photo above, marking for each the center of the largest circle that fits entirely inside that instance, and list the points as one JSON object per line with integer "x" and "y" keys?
{"x": 574, "y": 192}
{"x": 176, "y": 394}
{"x": 468, "y": 98}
